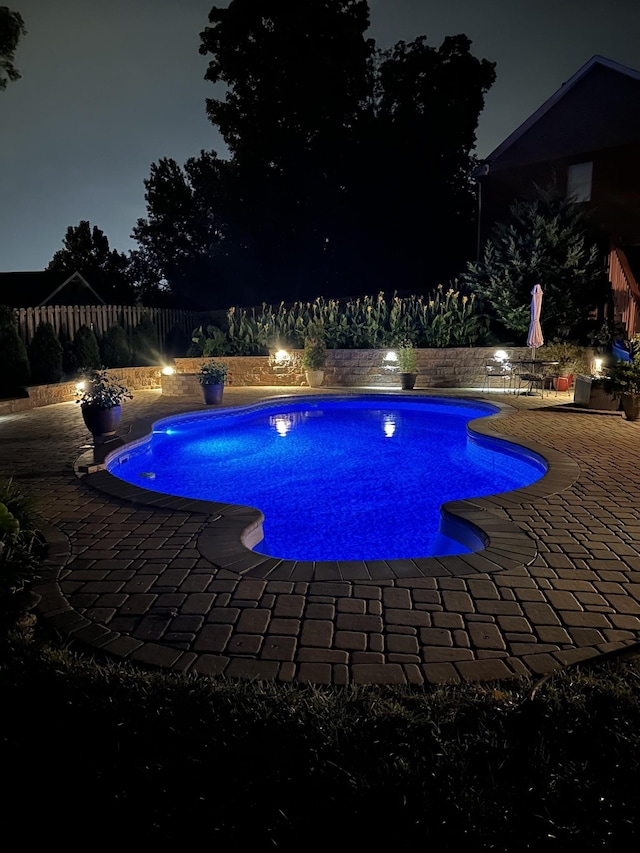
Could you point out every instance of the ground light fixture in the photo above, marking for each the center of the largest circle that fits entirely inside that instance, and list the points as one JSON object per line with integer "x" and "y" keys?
{"x": 390, "y": 361}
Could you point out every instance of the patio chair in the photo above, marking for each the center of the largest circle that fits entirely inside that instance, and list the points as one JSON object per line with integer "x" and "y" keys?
{"x": 531, "y": 376}
{"x": 497, "y": 369}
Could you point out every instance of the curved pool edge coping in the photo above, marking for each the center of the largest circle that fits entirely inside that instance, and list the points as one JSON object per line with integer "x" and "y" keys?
{"x": 233, "y": 529}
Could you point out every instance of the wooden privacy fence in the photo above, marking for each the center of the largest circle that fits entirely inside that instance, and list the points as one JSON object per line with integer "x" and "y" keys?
{"x": 101, "y": 317}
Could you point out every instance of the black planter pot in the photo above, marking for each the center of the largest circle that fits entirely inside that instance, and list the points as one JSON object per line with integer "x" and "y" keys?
{"x": 212, "y": 394}
{"x": 407, "y": 381}
{"x": 101, "y": 422}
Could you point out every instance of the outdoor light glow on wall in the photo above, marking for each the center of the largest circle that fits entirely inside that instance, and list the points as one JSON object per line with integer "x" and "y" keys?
{"x": 391, "y": 356}
{"x": 500, "y": 355}
{"x": 168, "y": 371}
{"x": 281, "y": 356}
{"x": 598, "y": 366}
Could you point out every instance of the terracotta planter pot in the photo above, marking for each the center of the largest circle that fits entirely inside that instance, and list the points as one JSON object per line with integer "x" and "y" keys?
{"x": 631, "y": 406}
{"x": 101, "y": 422}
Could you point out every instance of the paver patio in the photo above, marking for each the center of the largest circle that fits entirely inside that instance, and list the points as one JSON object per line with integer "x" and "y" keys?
{"x": 131, "y": 576}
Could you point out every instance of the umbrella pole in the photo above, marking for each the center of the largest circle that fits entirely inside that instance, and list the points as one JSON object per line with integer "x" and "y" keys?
{"x": 531, "y": 392}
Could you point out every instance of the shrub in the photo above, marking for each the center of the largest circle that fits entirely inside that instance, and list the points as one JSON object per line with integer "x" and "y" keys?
{"x": 145, "y": 343}
{"x": 22, "y": 547}
{"x": 407, "y": 357}
{"x": 13, "y": 356}
{"x": 70, "y": 365}
{"x": 177, "y": 343}
{"x": 114, "y": 347}
{"x": 314, "y": 355}
{"x": 213, "y": 372}
{"x": 85, "y": 349}
{"x": 45, "y": 355}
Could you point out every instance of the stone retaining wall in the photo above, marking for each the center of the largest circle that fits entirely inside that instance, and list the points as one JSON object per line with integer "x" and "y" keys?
{"x": 135, "y": 378}
{"x": 457, "y": 367}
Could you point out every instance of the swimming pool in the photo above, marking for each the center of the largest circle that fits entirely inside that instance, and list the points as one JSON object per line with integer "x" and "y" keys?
{"x": 336, "y": 478}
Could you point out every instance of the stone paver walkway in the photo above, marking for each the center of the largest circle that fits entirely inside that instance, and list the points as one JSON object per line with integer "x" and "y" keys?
{"x": 165, "y": 582}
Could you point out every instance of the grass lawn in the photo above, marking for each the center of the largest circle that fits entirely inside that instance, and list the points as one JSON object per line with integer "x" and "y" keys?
{"x": 98, "y": 753}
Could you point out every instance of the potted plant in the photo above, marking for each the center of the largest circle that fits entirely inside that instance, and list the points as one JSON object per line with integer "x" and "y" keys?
{"x": 100, "y": 396}
{"x": 212, "y": 376}
{"x": 313, "y": 360}
{"x": 566, "y": 359}
{"x": 407, "y": 365}
{"x": 624, "y": 382}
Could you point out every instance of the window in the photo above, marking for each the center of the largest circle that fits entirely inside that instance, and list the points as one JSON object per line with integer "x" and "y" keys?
{"x": 579, "y": 181}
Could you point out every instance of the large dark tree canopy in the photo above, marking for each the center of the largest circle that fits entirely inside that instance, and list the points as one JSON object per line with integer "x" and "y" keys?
{"x": 349, "y": 167}
{"x": 11, "y": 29}
{"x": 86, "y": 250}
{"x": 190, "y": 241}
{"x": 298, "y": 75}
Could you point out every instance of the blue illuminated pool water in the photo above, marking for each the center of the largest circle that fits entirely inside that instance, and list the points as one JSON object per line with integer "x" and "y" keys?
{"x": 350, "y": 478}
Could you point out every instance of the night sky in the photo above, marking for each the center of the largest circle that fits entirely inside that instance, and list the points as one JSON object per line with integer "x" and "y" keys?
{"x": 108, "y": 88}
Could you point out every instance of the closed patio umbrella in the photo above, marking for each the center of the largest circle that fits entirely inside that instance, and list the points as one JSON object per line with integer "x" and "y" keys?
{"x": 535, "y": 339}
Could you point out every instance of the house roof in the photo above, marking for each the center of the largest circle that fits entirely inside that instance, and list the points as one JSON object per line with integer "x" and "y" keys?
{"x": 39, "y": 288}
{"x": 598, "y": 107}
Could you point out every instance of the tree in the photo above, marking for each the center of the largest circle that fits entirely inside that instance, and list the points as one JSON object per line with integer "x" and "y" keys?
{"x": 349, "y": 168}
{"x": 45, "y": 355}
{"x": 428, "y": 104}
{"x": 354, "y": 163}
{"x": 86, "y": 350}
{"x": 547, "y": 241}
{"x": 298, "y": 80}
{"x": 13, "y": 356}
{"x": 11, "y": 29}
{"x": 145, "y": 342}
{"x": 184, "y": 240}
{"x": 86, "y": 250}
{"x": 115, "y": 350}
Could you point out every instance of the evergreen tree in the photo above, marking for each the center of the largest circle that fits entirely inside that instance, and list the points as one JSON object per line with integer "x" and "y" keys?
{"x": 70, "y": 365}
{"x": 86, "y": 350}
{"x": 13, "y": 356}
{"x": 145, "y": 343}
{"x": 114, "y": 347}
{"x": 45, "y": 355}
{"x": 547, "y": 241}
